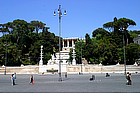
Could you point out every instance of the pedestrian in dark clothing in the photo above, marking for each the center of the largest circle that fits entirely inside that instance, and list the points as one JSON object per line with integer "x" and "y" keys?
{"x": 107, "y": 75}
{"x": 31, "y": 80}
{"x": 13, "y": 79}
{"x": 66, "y": 75}
{"x": 14, "y": 75}
{"x": 92, "y": 78}
{"x": 128, "y": 77}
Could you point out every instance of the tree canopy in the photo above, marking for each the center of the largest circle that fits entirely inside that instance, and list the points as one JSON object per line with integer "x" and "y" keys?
{"x": 20, "y": 42}
{"x": 106, "y": 46}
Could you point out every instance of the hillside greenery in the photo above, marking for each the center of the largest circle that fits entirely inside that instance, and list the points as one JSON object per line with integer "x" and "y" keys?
{"x": 20, "y": 43}
{"x": 107, "y": 44}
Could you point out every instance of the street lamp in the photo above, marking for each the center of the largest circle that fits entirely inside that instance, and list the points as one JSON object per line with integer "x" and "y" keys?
{"x": 81, "y": 61}
{"x": 5, "y": 59}
{"x": 124, "y": 51}
{"x": 81, "y": 69}
{"x": 59, "y": 15}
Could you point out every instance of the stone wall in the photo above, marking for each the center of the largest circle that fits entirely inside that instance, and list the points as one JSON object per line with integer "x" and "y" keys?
{"x": 102, "y": 69}
{"x": 20, "y": 70}
{"x": 73, "y": 69}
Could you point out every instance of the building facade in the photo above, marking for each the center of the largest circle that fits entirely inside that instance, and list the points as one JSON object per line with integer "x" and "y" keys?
{"x": 137, "y": 40}
{"x": 67, "y": 44}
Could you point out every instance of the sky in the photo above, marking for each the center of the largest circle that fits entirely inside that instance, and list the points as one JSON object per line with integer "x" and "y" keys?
{"x": 83, "y": 16}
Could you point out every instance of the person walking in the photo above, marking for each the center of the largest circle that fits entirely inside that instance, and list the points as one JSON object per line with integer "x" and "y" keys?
{"x": 12, "y": 79}
{"x": 14, "y": 75}
{"x": 128, "y": 77}
{"x": 31, "y": 79}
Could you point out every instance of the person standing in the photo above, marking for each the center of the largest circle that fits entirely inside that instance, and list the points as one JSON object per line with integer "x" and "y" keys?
{"x": 14, "y": 75}
{"x": 12, "y": 79}
{"x": 128, "y": 77}
{"x": 31, "y": 79}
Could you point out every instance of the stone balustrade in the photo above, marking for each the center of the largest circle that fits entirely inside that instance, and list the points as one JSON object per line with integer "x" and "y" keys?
{"x": 34, "y": 69}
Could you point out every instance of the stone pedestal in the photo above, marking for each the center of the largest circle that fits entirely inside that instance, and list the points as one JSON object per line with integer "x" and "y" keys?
{"x": 42, "y": 68}
{"x": 74, "y": 55}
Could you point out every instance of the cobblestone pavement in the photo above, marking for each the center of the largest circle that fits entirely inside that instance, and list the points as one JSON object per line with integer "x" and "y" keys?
{"x": 74, "y": 83}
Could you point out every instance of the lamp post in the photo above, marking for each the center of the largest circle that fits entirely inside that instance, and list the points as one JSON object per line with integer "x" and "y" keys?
{"x": 5, "y": 60}
{"x": 59, "y": 16}
{"x": 124, "y": 51}
{"x": 81, "y": 61}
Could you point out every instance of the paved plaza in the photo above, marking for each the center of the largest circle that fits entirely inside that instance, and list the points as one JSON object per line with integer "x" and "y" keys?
{"x": 74, "y": 83}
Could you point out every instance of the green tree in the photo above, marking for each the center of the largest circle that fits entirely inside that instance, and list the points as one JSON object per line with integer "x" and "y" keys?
{"x": 132, "y": 53}
{"x": 100, "y": 33}
{"x": 119, "y": 24}
{"x": 38, "y": 25}
{"x": 79, "y": 49}
{"x": 24, "y": 40}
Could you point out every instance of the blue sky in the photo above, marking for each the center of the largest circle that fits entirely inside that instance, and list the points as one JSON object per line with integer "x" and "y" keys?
{"x": 83, "y": 16}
